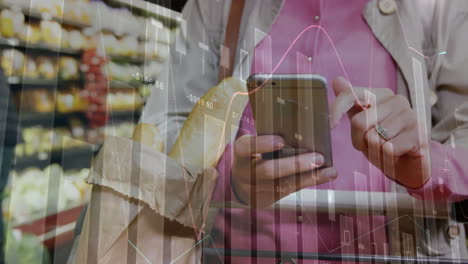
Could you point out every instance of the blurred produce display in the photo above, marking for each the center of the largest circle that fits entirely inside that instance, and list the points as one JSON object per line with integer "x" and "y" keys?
{"x": 39, "y": 100}
{"x": 12, "y": 23}
{"x": 74, "y": 10}
{"x": 70, "y": 100}
{"x": 24, "y": 248}
{"x": 122, "y": 21}
{"x": 124, "y": 100}
{"x": 12, "y": 62}
{"x": 45, "y": 31}
{"x": 29, "y": 192}
{"x": 68, "y": 68}
{"x": 16, "y": 63}
{"x": 78, "y": 70}
{"x": 39, "y": 139}
{"x": 47, "y": 67}
{"x": 95, "y": 89}
{"x": 43, "y": 100}
{"x": 97, "y": 135}
{"x": 124, "y": 46}
{"x": 124, "y": 129}
{"x": 122, "y": 72}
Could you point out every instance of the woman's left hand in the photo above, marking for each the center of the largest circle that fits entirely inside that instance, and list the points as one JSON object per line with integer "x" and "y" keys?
{"x": 402, "y": 154}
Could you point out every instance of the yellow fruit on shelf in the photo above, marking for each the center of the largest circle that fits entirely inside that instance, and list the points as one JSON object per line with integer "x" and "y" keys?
{"x": 12, "y": 62}
{"x": 34, "y": 34}
{"x": 76, "y": 40}
{"x": 30, "y": 69}
{"x": 71, "y": 101}
{"x": 68, "y": 68}
{"x": 47, "y": 67}
{"x": 65, "y": 39}
{"x": 52, "y": 7}
{"x": 45, "y": 103}
{"x": 51, "y": 32}
{"x": 11, "y": 22}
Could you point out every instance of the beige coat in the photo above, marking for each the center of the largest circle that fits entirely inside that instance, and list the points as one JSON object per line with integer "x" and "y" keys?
{"x": 417, "y": 33}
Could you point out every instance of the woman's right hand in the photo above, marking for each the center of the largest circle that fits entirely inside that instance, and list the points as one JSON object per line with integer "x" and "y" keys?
{"x": 260, "y": 183}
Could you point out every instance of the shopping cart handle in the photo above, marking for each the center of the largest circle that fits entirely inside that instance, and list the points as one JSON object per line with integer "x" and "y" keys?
{"x": 325, "y": 257}
{"x": 355, "y": 202}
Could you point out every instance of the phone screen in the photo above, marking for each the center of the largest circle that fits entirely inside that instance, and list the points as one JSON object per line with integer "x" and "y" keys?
{"x": 294, "y": 107}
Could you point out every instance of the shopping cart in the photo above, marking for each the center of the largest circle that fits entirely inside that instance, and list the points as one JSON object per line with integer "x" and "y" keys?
{"x": 347, "y": 202}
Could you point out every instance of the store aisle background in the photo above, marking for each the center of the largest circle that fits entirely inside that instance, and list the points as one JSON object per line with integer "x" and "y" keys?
{"x": 69, "y": 65}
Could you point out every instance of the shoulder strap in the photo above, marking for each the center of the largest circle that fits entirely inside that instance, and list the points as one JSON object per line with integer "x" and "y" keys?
{"x": 227, "y": 57}
{"x": 229, "y": 48}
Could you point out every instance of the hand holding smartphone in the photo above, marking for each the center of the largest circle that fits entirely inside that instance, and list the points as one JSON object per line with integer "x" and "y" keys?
{"x": 291, "y": 118}
{"x": 295, "y": 107}
{"x": 261, "y": 182}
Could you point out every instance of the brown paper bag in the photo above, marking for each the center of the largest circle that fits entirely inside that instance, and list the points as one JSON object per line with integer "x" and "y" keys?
{"x": 144, "y": 207}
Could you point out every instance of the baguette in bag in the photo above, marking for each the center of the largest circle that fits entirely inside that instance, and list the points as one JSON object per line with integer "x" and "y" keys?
{"x": 147, "y": 207}
{"x": 207, "y": 130}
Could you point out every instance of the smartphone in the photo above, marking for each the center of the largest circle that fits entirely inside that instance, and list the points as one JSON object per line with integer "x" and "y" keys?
{"x": 295, "y": 107}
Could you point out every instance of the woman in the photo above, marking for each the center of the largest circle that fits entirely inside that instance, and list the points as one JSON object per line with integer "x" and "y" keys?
{"x": 403, "y": 60}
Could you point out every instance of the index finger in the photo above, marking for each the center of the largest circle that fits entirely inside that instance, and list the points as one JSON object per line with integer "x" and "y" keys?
{"x": 247, "y": 146}
{"x": 347, "y": 97}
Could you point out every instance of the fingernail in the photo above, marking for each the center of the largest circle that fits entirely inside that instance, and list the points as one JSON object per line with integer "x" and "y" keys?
{"x": 329, "y": 173}
{"x": 318, "y": 160}
{"x": 279, "y": 145}
{"x": 279, "y": 142}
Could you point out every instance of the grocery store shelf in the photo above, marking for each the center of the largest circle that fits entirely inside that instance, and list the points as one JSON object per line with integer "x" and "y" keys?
{"x": 167, "y": 16}
{"x": 127, "y": 59}
{"x": 40, "y": 16}
{"x": 20, "y": 81}
{"x": 121, "y": 34}
{"x": 60, "y": 119}
{"x": 45, "y": 119}
{"x": 120, "y": 114}
{"x": 111, "y": 31}
{"x": 55, "y": 229}
{"x": 69, "y": 158}
{"x": 16, "y": 43}
{"x": 124, "y": 85}
{"x": 34, "y": 118}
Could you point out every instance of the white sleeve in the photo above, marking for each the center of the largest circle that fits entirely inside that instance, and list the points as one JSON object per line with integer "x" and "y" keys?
{"x": 190, "y": 70}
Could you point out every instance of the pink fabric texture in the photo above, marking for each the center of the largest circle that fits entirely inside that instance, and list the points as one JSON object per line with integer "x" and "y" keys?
{"x": 332, "y": 39}
{"x": 449, "y": 180}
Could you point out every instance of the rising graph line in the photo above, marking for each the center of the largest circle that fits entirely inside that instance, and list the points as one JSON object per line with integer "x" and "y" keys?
{"x": 220, "y": 148}
{"x": 276, "y": 68}
{"x": 283, "y": 57}
{"x": 418, "y": 52}
{"x": 347, "y": 78}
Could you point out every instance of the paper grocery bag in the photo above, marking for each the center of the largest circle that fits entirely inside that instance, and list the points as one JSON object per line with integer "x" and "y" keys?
{"x": 144, "y": 207}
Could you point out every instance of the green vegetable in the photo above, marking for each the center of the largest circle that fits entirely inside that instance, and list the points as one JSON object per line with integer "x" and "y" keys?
{"x": 22, "y": 248}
